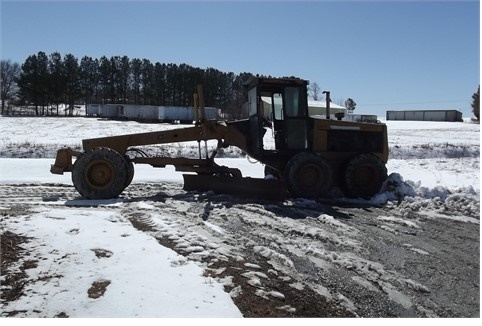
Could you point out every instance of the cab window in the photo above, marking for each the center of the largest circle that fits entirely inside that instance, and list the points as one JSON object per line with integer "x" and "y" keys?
{"x": 294, "y": 102}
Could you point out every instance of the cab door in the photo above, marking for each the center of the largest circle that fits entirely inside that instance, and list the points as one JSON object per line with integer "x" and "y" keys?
{"x": 255, "y": 127}
{"x": 295, "y": 108}
{"x": 290, "y": 118}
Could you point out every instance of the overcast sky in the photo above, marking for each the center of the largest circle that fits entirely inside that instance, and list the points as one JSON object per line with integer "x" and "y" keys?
{"x": 384, "y": 54}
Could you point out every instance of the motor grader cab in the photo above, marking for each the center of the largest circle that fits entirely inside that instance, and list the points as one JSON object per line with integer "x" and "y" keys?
{"x": 280, "y": 105}
{"x": 307, "y": 156}
{"x": 311, "y": 154}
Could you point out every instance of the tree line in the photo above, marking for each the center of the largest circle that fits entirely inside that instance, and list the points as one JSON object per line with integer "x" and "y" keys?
{"x": 44, "y": 82}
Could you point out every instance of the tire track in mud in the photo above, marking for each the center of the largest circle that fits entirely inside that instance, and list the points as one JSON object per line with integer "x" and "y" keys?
{"x": 300, "y": 244}
{"x": 211, "y": 233}
{"x": 299, "y": 257}
{"x": 322, "y": 249}
{"x": 35, "y": 194}
{"x": 336, "y": 252}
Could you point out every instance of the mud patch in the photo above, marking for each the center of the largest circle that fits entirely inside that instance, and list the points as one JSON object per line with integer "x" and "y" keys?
{"x": 13, "y": 283}
{"x": 102, "y": 253}
{"x": 13, "y": 211}
{"x": 97, "y": 289}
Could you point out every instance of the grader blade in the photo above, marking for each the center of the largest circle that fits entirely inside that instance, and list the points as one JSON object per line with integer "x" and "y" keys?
{"x": 243, "y": 187}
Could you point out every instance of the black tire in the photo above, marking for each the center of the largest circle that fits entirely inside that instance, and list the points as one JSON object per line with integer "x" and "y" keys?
{"x": 364, "y": 176}
{"x": 100, "y": 173}
{"x": 130, "y": 172}
{"x": 309, "y": 176}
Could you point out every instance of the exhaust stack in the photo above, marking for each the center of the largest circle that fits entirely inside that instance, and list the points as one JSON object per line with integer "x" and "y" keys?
{"x": 328, "y": 101}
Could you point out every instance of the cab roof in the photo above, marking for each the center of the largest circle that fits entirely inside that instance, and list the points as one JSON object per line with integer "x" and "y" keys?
{"x": 255, "y": 81}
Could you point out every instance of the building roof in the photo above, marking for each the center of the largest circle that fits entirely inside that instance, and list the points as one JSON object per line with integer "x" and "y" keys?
{"x": 311, "y": 104}
{"x": 424, "y": 110}
{"x": 322, "y": 104}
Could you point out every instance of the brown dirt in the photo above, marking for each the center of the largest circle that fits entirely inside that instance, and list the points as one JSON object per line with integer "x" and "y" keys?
{"x": 306, "y": 303}
{"x": 11, "y": 250}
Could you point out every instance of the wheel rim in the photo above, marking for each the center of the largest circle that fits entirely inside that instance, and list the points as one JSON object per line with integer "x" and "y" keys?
{"x": 100, "y": 174}
{"x": 366, "y": 176}
{"x": 310, "y": 176}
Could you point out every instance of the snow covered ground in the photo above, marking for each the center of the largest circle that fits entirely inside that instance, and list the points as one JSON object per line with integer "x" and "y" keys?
{"x": 78, "y": 243}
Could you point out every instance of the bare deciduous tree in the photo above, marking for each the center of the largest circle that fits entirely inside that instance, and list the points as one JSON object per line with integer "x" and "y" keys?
{"x": 315, "y": 91}
{"x": 10, "y": 71}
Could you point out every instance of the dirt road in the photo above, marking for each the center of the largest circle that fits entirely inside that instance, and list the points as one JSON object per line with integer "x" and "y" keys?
{"x": 303, "y": 257}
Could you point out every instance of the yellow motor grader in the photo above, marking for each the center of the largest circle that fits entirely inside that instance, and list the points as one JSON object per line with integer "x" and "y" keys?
{"x": 308, "y": 156}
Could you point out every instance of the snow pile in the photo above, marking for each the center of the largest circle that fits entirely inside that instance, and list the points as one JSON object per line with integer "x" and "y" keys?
{"x": 412, "y": 197}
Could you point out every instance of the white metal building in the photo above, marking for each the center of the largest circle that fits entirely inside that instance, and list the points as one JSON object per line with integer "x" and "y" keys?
{"x": 315, "y": 108}
{"x": 425, "y": 115}
{"x": 319, "y": 108}
{"x": 93, "y": 110}
{"x": 149, "y": 113}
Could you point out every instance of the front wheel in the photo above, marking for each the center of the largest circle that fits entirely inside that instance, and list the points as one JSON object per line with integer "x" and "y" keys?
{"x": 100, "y": 173}
{"x": 364, "y": 176}
{"x": 308, "y": 175}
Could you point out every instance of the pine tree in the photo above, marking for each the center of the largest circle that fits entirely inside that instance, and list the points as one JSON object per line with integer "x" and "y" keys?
{"x": 34, "y": 82}
{"x": 147, "y": 81}
{"x": 123, "y": 78}
{"x": 72, "y": 78}
{"x": 136, "y": 71}
{"x": 89, "y": 79}
{"x": 159, "y": 83}
{"x": 57, "y": 79}
{"x": 105, "y": 78}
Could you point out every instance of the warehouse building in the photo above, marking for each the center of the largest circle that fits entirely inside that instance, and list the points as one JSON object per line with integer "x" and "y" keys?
{"x": 425, "y": 115}
{"x": 149, "y": 113}
{"x": 315, "y": 108}
{"x": 319, "y": 108}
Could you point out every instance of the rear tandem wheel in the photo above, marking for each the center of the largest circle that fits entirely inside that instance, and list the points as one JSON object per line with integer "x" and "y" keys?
{"x": 364, "y": 176}
{"x": 101, "y": 173}
{"x": 308, "y": 175}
